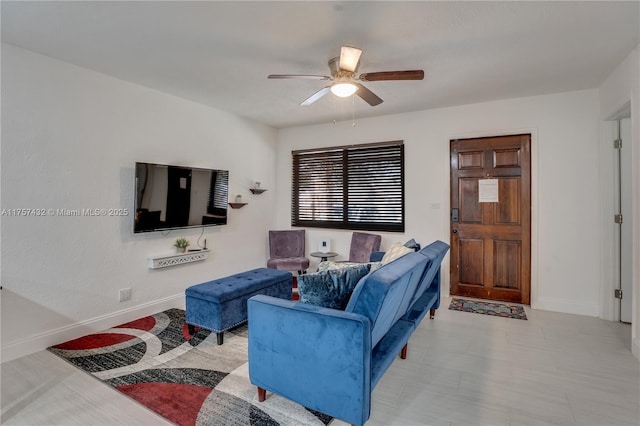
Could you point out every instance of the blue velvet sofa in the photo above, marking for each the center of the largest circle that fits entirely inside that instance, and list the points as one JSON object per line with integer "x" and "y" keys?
{"x": 330, "y": 360}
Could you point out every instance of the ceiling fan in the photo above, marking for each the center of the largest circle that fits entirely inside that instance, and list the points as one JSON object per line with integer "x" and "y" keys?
{"x": 345, "y": 82}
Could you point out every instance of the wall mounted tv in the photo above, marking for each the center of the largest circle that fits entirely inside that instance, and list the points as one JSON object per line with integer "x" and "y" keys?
{"x": 171, "y": 197}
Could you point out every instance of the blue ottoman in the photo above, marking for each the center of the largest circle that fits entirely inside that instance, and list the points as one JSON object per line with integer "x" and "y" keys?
{"x": 221, "y": 304}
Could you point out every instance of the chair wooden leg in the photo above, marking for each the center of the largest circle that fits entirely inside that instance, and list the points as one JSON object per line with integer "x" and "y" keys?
{"x": 262, "y": 394}
{"x": 403, "y": 352}
{"x": 432, "y": 313}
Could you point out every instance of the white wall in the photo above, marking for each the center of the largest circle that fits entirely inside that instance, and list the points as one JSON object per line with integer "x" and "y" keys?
{"x": 565, "y": 196}
{"x": 70, "y": 138}
{"x": 619, "y": 91}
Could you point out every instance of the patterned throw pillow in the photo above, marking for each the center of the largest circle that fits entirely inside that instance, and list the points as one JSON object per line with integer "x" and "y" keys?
{"x": 333, "y": 288}
{"x": 397, "y": 250}
{"x": 324, "y": 266}
{"x": 329, "y": 265}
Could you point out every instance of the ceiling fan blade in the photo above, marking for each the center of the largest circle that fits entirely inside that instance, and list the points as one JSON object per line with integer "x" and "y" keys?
{"x": 367, "y": 95}
{"x": 392, "y": 75}
{"x": 349, "y": 58}
{"x": 311, "y": 99}
{"x": 300, "y": 76}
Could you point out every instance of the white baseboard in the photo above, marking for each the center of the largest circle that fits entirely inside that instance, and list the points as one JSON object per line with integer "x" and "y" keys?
{"x": 635, "y": 348}
{"x": 568, "y": 307}
{"x": 32, "y": 344}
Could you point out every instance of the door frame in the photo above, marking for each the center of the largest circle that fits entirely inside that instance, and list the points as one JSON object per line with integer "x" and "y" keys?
{"x": 625, "y": 230}
{"x": 533, "y": 131}
{"x": 609, "y": 306}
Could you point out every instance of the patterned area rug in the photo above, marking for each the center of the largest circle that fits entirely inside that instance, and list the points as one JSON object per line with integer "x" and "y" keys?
{"x": 488, "y": 308}
{"x": 189, "y": 380}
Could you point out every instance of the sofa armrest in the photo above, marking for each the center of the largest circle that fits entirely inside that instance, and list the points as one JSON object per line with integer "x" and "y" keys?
{"x": 317, "y": 357}
{"x": 376, "y": 256}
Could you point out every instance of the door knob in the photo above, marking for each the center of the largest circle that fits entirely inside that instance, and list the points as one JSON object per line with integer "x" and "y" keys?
{"x": 454, "y": 230}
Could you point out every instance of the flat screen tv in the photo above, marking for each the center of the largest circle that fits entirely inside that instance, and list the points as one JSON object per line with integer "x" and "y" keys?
{"x": 172, "y": 197}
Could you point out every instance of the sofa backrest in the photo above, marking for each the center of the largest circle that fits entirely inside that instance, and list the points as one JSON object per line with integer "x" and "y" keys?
{"x": 381, "y": 294}
{"x": 435, "y": 252}
{"x": 407, "y": 300}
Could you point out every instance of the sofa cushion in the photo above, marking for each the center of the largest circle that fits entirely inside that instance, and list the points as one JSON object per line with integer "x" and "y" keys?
{"x": 332, "y": 288}
{"x": 289, "y": 263}
{"x": 396, "y": 251}
{"x": 380, "y": 295}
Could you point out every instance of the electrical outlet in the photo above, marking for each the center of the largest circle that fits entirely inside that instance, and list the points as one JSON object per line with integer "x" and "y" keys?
{"x": 124, "y": 294}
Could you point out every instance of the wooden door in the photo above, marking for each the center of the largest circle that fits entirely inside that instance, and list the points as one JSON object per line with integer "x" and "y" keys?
{"x": 491, "y": 240}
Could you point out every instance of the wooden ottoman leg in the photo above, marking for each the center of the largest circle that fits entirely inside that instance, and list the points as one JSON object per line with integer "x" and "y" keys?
{"x": 262, "y": 394}
{"x": 192, "y": 329}
{"x": 220, "y": 337}
{"x": 432, "y": 313}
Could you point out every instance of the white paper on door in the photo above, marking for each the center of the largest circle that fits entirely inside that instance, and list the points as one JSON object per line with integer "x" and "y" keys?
{"x": 488, "y": 190}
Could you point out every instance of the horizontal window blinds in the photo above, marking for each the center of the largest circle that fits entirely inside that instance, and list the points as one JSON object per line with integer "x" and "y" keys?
{"x": 358, "y": 187}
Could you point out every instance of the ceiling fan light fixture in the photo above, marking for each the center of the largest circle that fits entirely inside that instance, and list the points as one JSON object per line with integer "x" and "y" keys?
{"x": 343, "y": 90}
{"x": 344, "y": 80}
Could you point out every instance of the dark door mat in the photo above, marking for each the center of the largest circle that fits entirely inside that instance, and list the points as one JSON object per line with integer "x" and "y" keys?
{"x": 488, "y": 308}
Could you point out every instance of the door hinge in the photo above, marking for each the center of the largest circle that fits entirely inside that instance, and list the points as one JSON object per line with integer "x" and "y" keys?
{"x": 617, "y": 218}
{"x": 617, "y": 293}
{"x": 617, "y": 144}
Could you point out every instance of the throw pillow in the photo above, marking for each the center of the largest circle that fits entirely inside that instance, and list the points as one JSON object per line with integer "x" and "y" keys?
{"x": 329, "y": 265}
{"x": 342, "y": 265}
{"x": 412, "y": 245}
{"x": 324, "y": 266}
{"x": 331, "y": 289}
{"x": 397, "y": 250}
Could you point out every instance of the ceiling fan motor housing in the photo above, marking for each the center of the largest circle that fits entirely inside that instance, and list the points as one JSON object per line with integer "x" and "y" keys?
{"x": 334, "y": 66}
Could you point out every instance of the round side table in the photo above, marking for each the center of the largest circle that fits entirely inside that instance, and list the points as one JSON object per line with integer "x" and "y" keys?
{"x": 323, "y": 256}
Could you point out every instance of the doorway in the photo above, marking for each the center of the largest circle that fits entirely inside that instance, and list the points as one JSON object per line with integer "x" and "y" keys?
{"x": 623, "y": 237}
{"x": 490, "y": 222}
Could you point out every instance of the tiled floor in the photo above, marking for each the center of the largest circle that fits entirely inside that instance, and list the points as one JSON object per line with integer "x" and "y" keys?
{"x": 462, "y": 369}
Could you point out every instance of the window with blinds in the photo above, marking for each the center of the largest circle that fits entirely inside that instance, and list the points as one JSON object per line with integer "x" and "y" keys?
{"x": 218, "y": 192}
{"x": 358, "y": 187}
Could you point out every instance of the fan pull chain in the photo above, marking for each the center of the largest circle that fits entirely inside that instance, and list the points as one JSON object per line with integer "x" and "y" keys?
{"x": 353, "y": 110}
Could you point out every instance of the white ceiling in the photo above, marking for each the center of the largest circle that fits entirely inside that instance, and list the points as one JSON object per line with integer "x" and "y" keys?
{"x": 220, "y": 53}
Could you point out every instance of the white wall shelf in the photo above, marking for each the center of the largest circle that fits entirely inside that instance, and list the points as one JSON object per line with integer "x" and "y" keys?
{"x": 158, "y": 262}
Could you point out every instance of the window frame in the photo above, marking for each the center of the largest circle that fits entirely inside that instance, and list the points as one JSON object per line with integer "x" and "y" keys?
{"x": 343, "y": 160}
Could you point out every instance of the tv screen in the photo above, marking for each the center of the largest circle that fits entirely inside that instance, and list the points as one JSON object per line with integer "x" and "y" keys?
{"x": 172, "y": 197}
